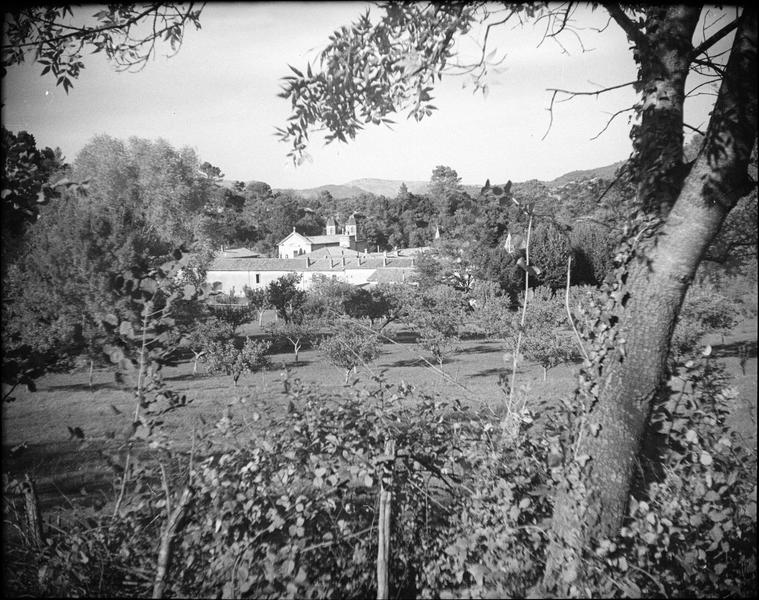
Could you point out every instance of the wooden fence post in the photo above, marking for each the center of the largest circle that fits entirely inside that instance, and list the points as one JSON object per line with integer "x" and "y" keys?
{"x": 33, "y": 514}
{"x": 383, "y": 543}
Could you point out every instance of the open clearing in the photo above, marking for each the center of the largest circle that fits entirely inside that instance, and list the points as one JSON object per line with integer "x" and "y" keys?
{"x": 68, "y": 469}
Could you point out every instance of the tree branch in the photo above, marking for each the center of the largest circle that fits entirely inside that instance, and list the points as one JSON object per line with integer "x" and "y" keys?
{"x": 634, "y": 34}
{"x": 713, "y": 39}
{"x": 611, "y": 118}
{"x": 572, "y": 94}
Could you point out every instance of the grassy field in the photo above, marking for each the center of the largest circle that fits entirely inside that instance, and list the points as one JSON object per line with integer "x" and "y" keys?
{"x": 39, "y": 422}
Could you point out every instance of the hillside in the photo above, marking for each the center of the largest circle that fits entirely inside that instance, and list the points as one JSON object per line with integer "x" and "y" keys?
{"x": 608, "y": 173}
{"x": 389, "y": 187}
{"x": 345, "y": 190}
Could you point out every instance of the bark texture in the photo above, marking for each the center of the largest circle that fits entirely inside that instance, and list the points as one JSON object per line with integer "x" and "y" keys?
{"x": 594, "y": 496}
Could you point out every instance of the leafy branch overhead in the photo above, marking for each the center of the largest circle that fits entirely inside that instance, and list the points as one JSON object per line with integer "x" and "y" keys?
{"x": 127, "y": 33}
{"x": 389, "y": 62}
{"x": 373, "y": 70}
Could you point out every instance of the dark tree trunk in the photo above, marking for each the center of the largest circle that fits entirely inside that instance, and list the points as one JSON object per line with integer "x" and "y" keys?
{"x": 598, "y": 472}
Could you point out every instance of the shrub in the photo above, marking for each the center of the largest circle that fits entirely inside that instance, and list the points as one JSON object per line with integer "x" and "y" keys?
{"x": 492, "y": 542}
{"x": 293, "y": 513}
{"x": 705, "y": 310}
{"x": 691, "y": 530}
{"x": 593, "y": 252}
{"x": 227, "y": 359}
{"x": 549, "y": 251}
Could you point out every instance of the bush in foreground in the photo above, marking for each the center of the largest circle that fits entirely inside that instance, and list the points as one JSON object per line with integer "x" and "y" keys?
{"x": 294, "y": 512}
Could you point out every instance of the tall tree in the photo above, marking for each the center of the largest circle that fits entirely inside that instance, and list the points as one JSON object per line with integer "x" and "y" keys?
{"x": 28, "y": 179}
{"x": 148, "y": 182}
{"x": 390, "y": 63}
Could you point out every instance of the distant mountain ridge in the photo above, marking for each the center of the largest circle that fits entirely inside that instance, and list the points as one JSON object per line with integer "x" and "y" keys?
{"x": 389, "y": 187}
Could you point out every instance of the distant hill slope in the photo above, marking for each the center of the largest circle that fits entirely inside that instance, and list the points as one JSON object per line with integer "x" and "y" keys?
{"x": 338, "y": 191}
{"x": 389, "y": 187}
{"x": 608, "y": 172}
{"x": 379, "y": 187}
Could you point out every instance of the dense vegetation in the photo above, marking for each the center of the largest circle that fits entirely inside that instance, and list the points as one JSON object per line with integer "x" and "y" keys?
{"x": 472, "y": 503}
{"x": 144, "y": 201}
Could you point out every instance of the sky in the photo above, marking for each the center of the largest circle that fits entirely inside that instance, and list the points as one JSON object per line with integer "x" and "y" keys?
{"x": 218, "y": 95}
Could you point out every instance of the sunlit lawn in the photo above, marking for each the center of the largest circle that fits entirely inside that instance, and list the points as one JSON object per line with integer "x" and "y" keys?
{"x": 103, "y": 412}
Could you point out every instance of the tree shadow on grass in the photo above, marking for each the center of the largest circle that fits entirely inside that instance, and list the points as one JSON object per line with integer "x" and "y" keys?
{"x": 747, "y": 349}
{"x": 489, "y": 372}
{"x": 480, "y": 349}
{"x": 406, "y": 362}
{"x": 84, "y": 387}
{"x": 187, "y": 377}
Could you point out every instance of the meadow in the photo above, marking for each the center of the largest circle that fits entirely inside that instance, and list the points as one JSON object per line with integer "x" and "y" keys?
{"x": 38, "y": 427}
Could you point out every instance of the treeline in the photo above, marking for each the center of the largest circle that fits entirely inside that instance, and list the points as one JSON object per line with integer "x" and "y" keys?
{"x": 70, "y": 230}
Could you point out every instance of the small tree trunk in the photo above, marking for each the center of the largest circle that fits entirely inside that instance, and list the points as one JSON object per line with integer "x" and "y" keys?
{"x": 33, "y": 514}
{"x": 167, "y": 536}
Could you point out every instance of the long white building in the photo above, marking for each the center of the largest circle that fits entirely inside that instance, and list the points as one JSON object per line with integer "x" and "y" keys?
{"x": 343, "y": 264}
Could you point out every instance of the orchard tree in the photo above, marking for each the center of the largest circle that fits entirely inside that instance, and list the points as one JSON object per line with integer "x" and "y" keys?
{"x": 285, "y": 296}
{"x": 377, "y": 67}
{"x": 546, "y": 337}
{"x": 297, "y": 334}
{"x": 436, "y": 314}
{"x": 349, "y": 347}
{"x": 225, "y": 358}
{"x": 373, "y": 304}
{"x": 203, "y": 335}
{"x": 258, "y": 300}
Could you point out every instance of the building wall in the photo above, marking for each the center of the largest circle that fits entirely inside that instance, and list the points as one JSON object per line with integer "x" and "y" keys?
{"x": 294, "y": 247}
{"x": 258, "y": 280}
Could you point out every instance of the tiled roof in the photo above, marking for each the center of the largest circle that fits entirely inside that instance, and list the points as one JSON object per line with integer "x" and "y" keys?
{"x": 255, "y": 264}
{"x": 333, "y": 263}
{"x": 330, "y": 251}
{"x": 240, "y": 253}
{"x": 391, "y": 275}
{"x": 324, "y": 239}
